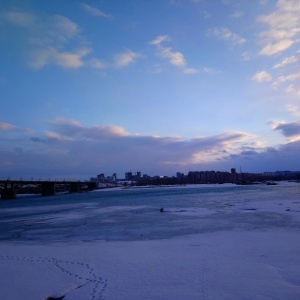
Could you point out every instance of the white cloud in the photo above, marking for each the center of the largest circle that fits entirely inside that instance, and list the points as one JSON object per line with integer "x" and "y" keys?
{"x": 294, "y": 110}
{"x": 237, "y": 14}
{"x": 280, "y": 46}
{"x": 160, "y": 39}
{"x": 283, "y": 27}
{"x": 124, "y": 59}
{"x": 226, "y": 34}
{"x": 262, "y": 76}
{"x": 94, "y": 11}
{"x": 285, "y": 78}
{"x": 288, "y": 60}
{"x": 50, "y": 55}
{"x": 175, "y": 58}
{"x": 292, "y": 89}
{"x": 190, "y": 71}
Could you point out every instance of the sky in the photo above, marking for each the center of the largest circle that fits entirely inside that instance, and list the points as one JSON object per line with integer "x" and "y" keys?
{"x": 99, "y": 86}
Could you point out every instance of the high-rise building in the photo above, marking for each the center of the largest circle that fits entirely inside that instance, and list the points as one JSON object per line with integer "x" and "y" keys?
{"x": 128, "y": 175}
{"x": 234, "y": 175}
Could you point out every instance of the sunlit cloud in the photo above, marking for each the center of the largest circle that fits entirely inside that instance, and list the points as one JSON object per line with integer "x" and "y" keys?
{"x": 262, "y": 76}
{"x": 271, "y": 49}
{"x": 124, "y": 59}
{"x": 190, "y": 71}
{"x": 6, "y": 126}
{"x": 287, "y": 78}
{"x": 175, "y": 58}
{"x": 53, "y": 56}
{"x": 283, "y": 27}
{"x": 56, "y": 137}
{"x": 292, "y": 89}
{"x": 160, "y": 39}
{"x": 70, "y": 147}
{"x": 94, "y": 11}
{"x": 73, "y": 128}
{"x": 288, "y": 60}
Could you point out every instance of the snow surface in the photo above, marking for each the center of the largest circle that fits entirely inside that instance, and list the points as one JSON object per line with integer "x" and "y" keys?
{"x": 240, "y": 261}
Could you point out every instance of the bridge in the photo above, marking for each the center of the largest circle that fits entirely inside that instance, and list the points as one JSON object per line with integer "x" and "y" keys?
{"x": 9, "y": 188}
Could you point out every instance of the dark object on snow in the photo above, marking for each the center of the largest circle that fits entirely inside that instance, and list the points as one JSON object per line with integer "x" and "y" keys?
{"x": 52, "y": 298}
{"x": 162, "y": 210}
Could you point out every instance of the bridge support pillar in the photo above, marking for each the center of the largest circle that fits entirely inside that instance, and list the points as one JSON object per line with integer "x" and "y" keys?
{"x": 9, "y": 191}
{"x": 92, "y": 185}
{"x": 48, "y": 189}
{"x": 74, "y": 188}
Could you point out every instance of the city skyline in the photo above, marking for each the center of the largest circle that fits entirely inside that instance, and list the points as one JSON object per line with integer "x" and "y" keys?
{"x": 156, "y": 86}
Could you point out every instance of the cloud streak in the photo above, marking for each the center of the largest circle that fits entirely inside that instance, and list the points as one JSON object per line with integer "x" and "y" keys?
{"x": 6, "y": 126}
{"x": 69, "y": 148}
{"x": 283, "y": 27}
{"x": 94, "y": 11}
{"x": 175, "y": 58}
{"x": 227, "y": 35}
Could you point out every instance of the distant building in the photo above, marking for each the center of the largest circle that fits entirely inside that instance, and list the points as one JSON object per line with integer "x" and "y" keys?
{"x": 128, "y": 176}
{"x": 179, "y": 175}
{"x": 101, "y": 177}
{"x": 234, "y": 175}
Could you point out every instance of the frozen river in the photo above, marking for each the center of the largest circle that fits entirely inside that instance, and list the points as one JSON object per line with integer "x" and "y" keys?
{"x": 211, "y": 242}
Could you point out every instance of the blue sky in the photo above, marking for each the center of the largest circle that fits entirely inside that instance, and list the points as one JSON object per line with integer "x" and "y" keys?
{"x": 156, "y": 86}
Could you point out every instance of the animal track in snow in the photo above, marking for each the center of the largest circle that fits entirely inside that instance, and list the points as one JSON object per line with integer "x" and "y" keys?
{"x": 70, "y": 268}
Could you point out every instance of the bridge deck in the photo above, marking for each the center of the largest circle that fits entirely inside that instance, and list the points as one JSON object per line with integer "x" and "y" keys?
{"x": 9, "y": 188}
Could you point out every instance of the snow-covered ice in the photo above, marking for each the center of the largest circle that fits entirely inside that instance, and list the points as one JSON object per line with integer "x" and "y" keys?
{"x": 224, "y": 243}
